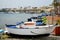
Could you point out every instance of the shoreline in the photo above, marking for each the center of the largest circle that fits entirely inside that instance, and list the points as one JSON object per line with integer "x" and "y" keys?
{"x": 50, "y": 37}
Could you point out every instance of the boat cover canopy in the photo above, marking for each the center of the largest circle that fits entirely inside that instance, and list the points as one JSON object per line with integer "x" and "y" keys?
{"x": 11, "y": 26}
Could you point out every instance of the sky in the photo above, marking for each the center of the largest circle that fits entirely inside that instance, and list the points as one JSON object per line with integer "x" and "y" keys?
{"x": 24, "y": 3}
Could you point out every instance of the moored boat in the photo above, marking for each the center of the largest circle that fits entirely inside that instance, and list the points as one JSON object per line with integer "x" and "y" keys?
{"x": 34, "y": 26}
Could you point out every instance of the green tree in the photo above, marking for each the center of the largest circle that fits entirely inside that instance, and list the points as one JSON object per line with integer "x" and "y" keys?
{"x": 58, "y": 22}
{"x": 42, "y": 11}
{"x": 3, "y": 10}
{"x": 44, "y": 19}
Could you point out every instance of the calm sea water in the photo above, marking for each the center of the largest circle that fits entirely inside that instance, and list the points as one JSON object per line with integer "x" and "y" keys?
{"x": 13, "y": 18}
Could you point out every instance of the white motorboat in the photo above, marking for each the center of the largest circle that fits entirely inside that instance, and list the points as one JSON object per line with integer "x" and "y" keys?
{"x": 30, "y": 27}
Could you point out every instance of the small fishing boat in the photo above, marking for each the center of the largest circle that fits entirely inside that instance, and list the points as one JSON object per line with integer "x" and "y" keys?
{"x": 34, "y": 26}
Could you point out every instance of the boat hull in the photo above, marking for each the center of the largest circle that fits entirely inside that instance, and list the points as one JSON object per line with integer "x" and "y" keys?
{"x": 30, "y": 31}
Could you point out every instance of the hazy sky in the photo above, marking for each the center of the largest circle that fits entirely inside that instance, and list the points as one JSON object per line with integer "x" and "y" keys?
{"x": 23, "y": 3}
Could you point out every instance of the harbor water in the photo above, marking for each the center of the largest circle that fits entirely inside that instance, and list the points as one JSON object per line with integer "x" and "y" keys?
{"x": 13, "y": 18}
